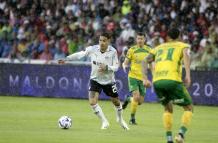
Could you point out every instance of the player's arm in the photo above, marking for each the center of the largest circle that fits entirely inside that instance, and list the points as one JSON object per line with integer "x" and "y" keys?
{"x": 125, "y": 64}
{"x": 151, "y": 66}
{"x": 128, "y": 57}
{"x": 148, "y": 60}
{"x": 186, "y": 60}
{"x": 75, "y": 56}
{"x": 114, "y": 67}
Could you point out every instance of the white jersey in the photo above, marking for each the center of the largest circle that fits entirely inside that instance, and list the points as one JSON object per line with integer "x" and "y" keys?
{"x": 109, "y": 58}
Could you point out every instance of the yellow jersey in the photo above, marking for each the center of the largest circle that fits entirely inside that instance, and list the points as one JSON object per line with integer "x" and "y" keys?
{"x": 168, "y": 61}
{"x": 136, "y": 55}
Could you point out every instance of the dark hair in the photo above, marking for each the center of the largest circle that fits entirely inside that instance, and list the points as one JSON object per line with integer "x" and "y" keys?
{"x": 173, "y": 33}
{"x": 140, "y": 34}
{"x": 130, "y": 41}
{"x": 106, "y": 34}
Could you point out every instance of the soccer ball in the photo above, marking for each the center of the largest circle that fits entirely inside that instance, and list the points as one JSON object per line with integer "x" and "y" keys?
{"x": 64, "y": 122}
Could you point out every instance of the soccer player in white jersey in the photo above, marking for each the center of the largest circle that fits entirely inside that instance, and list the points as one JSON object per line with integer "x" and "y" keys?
{"x": 104, "y": 62}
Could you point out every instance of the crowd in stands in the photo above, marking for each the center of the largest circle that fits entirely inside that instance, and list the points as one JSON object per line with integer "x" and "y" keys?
{"x": 53, "y": 29}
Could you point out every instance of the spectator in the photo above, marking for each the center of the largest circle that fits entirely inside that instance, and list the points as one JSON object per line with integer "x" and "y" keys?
{"x": 59, "y": 54}
{"x": 208, "y": 56}
{"x": 55, "y": 20}
{"x": 126, "y": 7}
{"x": 46, "y": 54}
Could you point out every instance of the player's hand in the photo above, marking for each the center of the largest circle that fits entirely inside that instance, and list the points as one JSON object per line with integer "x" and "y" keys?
{"x": 124, "y": 67}
{"x": 187, "y": 81}
{"x": 102, "y": 68}
{"x": 147, "y": 83}
{"x": 61, "y": 62}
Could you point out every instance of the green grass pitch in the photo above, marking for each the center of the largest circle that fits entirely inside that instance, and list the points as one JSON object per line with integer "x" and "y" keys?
{"x": 34, "y": 120}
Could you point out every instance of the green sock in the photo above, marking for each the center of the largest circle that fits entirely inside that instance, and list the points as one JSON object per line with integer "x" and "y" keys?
{"x": 182, "y": 130}
{"x": 169, "y": 136}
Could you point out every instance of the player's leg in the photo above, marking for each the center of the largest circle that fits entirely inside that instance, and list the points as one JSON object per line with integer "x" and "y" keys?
{"x": 132, "y": 84}
{"x": 163, "y": 97}
{"x": 168, "y": 121}
{"x": 185, "y": 122}
{"x": 111, "y": 90}
{"x": 118, "y": 108}
{"x": 134, "y": 104}
{"x": 138, "y": 99}
{"x": 94, "y": 91}
{"x": 142, "y": 98}
{"x": 93, "y": 98}
{"x": 142, "y": 91}
{"x": 135, "y": 100}
{"x": 126, "y": 101}
{"x": 186, "y": 103}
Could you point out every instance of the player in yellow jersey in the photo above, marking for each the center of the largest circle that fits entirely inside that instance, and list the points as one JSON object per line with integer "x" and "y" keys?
{"x": 135, "y": 56}
{"x": 167, "y": 81}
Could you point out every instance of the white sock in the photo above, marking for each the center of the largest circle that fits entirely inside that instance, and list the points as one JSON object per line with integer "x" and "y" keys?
{"x": 98, "y": 111}
{"x": 119, "y": 112}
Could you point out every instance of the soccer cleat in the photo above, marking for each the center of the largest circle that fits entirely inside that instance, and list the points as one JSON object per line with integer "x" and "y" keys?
{"x": 179, "y": 138}
{"x": 126, "y": 102}
{"x": 104, "y": 125}
{"x": 123, "y": 125}
{"x": 170, "y": 142}
{"x": 132, "y": 122}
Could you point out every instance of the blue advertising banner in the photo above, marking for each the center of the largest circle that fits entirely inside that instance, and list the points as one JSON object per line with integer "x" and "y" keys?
{"x": 72, "y": 81}
{"x": 204, "y": 88}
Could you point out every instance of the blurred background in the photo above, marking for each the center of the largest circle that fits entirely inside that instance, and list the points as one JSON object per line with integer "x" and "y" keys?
{"x": 52, "y": 29}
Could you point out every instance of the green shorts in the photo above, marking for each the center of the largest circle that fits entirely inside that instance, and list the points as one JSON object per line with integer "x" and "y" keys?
{"x": 169, "y": 90}
{"x": 135, "y": 84}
